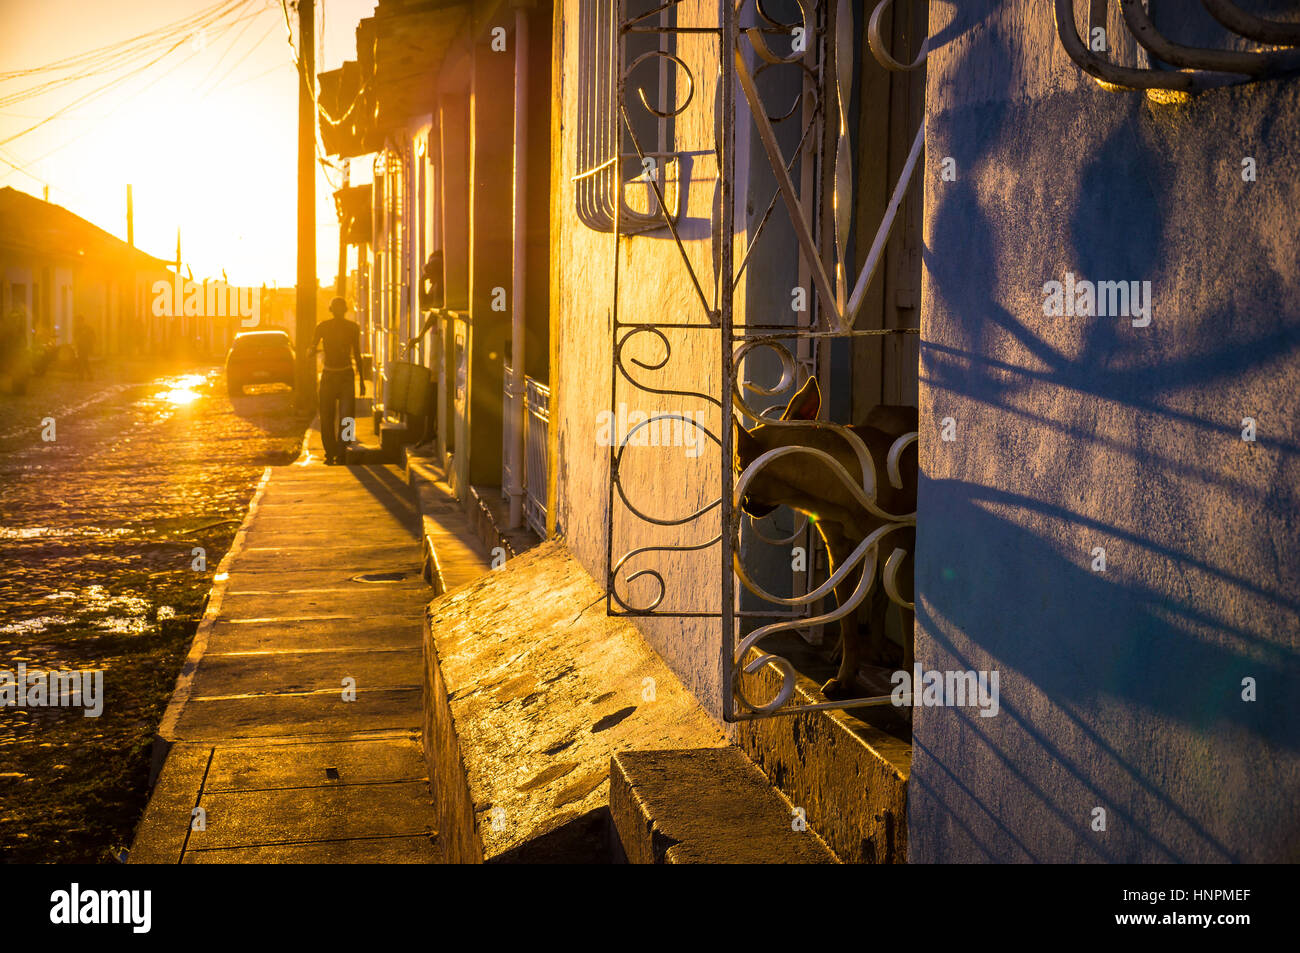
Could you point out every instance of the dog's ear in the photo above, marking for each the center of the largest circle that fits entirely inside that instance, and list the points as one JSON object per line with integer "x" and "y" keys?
{"x": 745, "y": 445}
{"x": 806, "y": 404}
{"x": 749, "y": 448}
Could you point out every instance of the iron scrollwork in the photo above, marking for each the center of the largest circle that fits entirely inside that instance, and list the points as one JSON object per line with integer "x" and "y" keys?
{"x": 823, "y": 55}
{"x": 866, "y": 553}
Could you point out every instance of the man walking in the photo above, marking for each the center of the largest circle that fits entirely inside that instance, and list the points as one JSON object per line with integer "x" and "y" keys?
{"x": 341, "y": 341}
{"x": 83, "y": 342}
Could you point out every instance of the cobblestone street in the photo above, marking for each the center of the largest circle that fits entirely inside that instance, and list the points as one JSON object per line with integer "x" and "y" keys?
{"x": 99, "y": 527}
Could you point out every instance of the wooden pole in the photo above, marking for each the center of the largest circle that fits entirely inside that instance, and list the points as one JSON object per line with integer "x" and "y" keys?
{"x": 341, "y": 285}
{"x": 306, "y": 299}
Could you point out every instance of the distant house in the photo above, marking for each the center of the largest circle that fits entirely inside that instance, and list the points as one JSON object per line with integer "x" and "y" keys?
{"x": 55, "y": 265}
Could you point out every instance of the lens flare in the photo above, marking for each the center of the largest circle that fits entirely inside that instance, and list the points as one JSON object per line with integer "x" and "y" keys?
{"x": 181, "y": 391}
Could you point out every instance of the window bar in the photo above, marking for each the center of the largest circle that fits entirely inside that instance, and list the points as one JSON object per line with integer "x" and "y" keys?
{"x": 1250, "y": 26}
{"x": 1197, "y": 69}
{"x": 724, "y": 234}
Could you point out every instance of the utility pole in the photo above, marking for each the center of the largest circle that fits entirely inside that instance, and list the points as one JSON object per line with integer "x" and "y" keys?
{"x": 305, "y": 390}
{"x": 341, "y": 286}
{"x": 135, "y": 284}
{"x": 177, "y": 286}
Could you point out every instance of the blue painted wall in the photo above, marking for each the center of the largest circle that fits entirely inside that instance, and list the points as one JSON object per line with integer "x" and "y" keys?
{"x": 1121, "y": 689}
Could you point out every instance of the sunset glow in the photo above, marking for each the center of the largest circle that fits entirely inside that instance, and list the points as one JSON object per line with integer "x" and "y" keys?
{"x": 205, "y": 135}
{"x": 745, "y": 433}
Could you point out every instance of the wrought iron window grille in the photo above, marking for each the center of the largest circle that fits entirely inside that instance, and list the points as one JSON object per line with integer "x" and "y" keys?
{"x": 606, "y": 189}
{"x": 643, "y": 349}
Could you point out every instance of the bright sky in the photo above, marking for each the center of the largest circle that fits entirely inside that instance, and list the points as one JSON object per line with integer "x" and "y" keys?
{"x": 207, "y": 135}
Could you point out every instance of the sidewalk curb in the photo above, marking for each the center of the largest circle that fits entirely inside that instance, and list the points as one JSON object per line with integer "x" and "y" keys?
{"x": 163, "y": 738}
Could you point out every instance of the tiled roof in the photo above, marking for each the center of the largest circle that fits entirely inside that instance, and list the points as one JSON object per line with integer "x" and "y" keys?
{"x": 31, "y": 225}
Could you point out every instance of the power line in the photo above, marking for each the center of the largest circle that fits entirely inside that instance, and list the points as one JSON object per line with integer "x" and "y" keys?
{"x": 229, "y": 49}
{"x": 116, "y": 56}
{"x": 114, "y": 82}
{"x": 147, "y": 86}
{"x": 267, "y": 72}
{"x": 27, "y": 168}
{"x": 80, "y": 59}
{"x": 310, "y": 82}
{"x": 96, "y": 93}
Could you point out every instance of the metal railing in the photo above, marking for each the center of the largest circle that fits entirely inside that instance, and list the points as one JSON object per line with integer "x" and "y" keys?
{"x": 537, "y": 419}
{"x": 508, "y": 418}
{"x": 537, "y": 422}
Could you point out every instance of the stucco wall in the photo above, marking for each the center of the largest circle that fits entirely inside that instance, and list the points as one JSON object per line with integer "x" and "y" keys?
{"x": 655, "y": 286}
{"x": 1119, "y": 689}
{"x": 663, "y": 482}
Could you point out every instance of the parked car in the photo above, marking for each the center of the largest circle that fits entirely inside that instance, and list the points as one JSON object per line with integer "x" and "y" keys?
{"x": 259, "y": 357}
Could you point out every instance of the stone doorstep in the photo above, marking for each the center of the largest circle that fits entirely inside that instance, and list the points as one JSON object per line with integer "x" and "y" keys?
{"x": 849, "y": 774}
{"x": 809, "y": 755}
{"x": 365, "y": 454}
{"x": 490, "y": 515}
{"x": 527, "y": 698}
{"x": 705, "y": 806}
{"x": 393, "y": 440}
{"x": 485, "y": 514}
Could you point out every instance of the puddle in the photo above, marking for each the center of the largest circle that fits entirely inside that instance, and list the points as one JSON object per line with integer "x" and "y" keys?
{"x": 33, "y": 626}
{"x": 124, "y": 625}
{"x": 60, "y": 532}
{"x": 181, "y": 391}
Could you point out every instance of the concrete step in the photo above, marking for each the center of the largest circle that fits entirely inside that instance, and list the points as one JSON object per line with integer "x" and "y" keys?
{"x": 363, "y": 454}
{"x": 528, "y": 688}
{"x": 705, "y": 806}
{"x": 453, "y": 555}
{"x": 393, "y": 437}
{"x": 490, "y": 516}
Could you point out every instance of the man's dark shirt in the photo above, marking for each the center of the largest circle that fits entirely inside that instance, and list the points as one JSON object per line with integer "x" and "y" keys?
{"x": 341, "y": 340}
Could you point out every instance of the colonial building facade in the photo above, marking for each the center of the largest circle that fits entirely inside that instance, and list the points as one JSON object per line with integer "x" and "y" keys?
{"x": 610, "y": 233}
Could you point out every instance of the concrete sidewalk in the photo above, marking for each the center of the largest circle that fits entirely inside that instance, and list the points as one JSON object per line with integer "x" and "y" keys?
{"x": 295, "y": 723}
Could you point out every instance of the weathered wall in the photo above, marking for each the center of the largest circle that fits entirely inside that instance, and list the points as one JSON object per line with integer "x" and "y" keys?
{"x": 655, "y": 286}
{"x": 1120, "y": 689}
{"x": 661, "y": 481}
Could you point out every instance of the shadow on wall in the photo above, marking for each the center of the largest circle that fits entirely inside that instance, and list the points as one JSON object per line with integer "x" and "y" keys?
{"x": 1120, "y": 689}
{"x": 1085, "y": 664}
